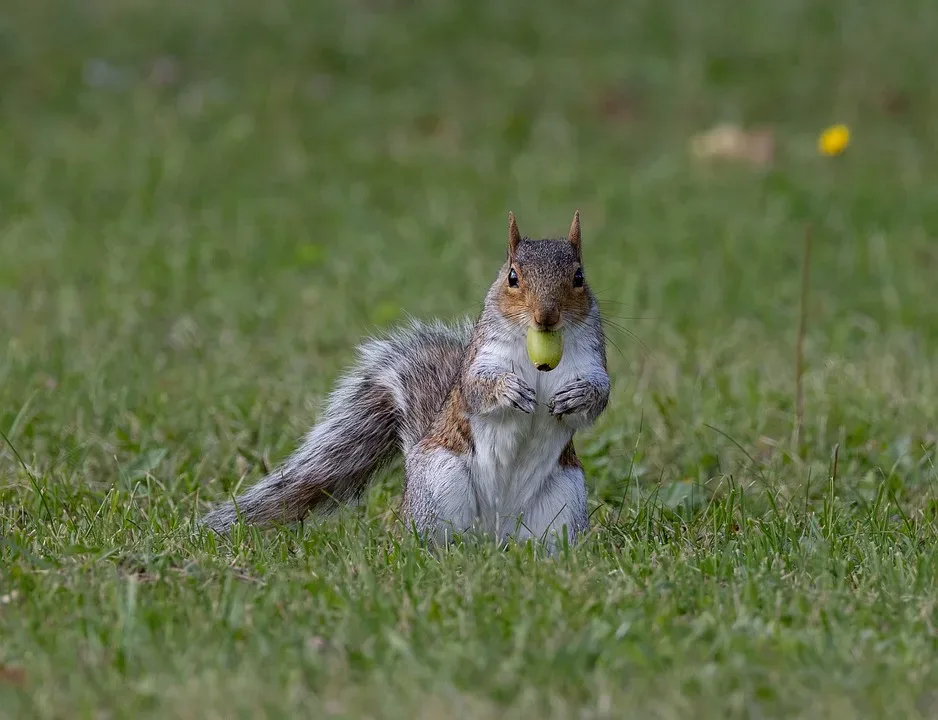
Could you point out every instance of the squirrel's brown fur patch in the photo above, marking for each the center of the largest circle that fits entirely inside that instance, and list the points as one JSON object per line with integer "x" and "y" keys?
{"x": 568, "y": 457}
{"x": 451, "y": 430}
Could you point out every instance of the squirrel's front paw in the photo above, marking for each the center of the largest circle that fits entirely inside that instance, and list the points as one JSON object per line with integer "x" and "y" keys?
{"x": 514, "y": 392}
{"x": 577, "y": 396}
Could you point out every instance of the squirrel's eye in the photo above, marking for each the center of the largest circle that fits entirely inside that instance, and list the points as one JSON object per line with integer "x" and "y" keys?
{"x": 578, "y": 278}
{"x": 512, "y": 278}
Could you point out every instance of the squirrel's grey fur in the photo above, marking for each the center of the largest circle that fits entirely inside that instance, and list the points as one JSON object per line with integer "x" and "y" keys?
{"x": 487, "y": 439}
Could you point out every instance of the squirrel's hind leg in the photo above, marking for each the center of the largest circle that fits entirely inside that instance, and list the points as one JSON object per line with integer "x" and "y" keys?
{"x": 558, "y": 510}
{"x": 438, "y": 497}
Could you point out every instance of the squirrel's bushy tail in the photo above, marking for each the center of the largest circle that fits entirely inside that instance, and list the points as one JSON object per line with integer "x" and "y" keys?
{"x": 384, "y": 404}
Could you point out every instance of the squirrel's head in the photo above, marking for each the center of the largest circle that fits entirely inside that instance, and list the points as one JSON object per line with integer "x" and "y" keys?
{"x": 542, "y": 283}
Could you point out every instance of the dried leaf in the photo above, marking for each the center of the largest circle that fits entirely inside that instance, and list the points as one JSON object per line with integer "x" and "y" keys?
{"x": 619, "y": 104}
{"x": 730, "y": 142}
{"x": 12, "y": 675}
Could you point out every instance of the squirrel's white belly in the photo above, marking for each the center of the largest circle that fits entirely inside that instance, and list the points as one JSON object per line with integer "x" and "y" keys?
{"x": 517, "y": 453}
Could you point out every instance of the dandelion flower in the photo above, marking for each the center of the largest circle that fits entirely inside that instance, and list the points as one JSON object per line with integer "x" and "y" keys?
{"x": 834, "y": 140}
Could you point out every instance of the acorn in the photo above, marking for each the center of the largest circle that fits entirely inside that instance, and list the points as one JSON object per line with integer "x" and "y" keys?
{"x": 545, "y": 348}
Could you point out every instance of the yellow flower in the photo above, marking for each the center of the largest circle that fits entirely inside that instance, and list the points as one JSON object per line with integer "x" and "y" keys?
{"x": 834, "y": 140}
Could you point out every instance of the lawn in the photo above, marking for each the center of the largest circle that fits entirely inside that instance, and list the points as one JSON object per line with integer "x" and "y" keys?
{"x": 205, "y": 205}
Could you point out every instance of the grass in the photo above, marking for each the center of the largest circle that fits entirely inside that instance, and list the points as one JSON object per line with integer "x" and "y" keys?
{"x": 203, "y": 206}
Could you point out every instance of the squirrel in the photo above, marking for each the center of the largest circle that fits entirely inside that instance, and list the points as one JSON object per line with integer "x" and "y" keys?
{"x": 487, "y": 437}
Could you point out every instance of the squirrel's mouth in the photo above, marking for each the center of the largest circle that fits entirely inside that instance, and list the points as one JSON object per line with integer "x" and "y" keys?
{"x": 546, "y": 327}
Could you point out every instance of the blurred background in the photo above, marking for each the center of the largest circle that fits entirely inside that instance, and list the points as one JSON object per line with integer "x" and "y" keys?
{"x": 204, "y": 205}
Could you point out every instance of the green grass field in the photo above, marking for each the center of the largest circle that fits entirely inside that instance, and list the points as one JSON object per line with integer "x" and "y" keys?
{"x": 205, "y": 205}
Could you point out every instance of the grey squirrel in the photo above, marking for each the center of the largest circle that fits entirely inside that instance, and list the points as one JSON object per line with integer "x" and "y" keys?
{"x": 487, "y": 437}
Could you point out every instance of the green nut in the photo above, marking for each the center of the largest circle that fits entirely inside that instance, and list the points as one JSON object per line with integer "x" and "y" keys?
{"x": 545, "y": 348}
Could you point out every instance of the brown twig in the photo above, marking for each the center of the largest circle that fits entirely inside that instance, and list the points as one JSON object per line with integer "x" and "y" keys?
{"x": 799, "y": 349}
{"x": 834, "y": 463}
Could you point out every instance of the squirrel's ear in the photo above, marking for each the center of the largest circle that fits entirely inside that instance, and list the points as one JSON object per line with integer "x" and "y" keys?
{"x": 514, "y": 237}
{"x": 574, "y": 235}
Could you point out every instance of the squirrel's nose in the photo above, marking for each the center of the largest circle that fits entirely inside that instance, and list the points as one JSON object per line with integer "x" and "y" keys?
{"x": 546, "y": 318}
